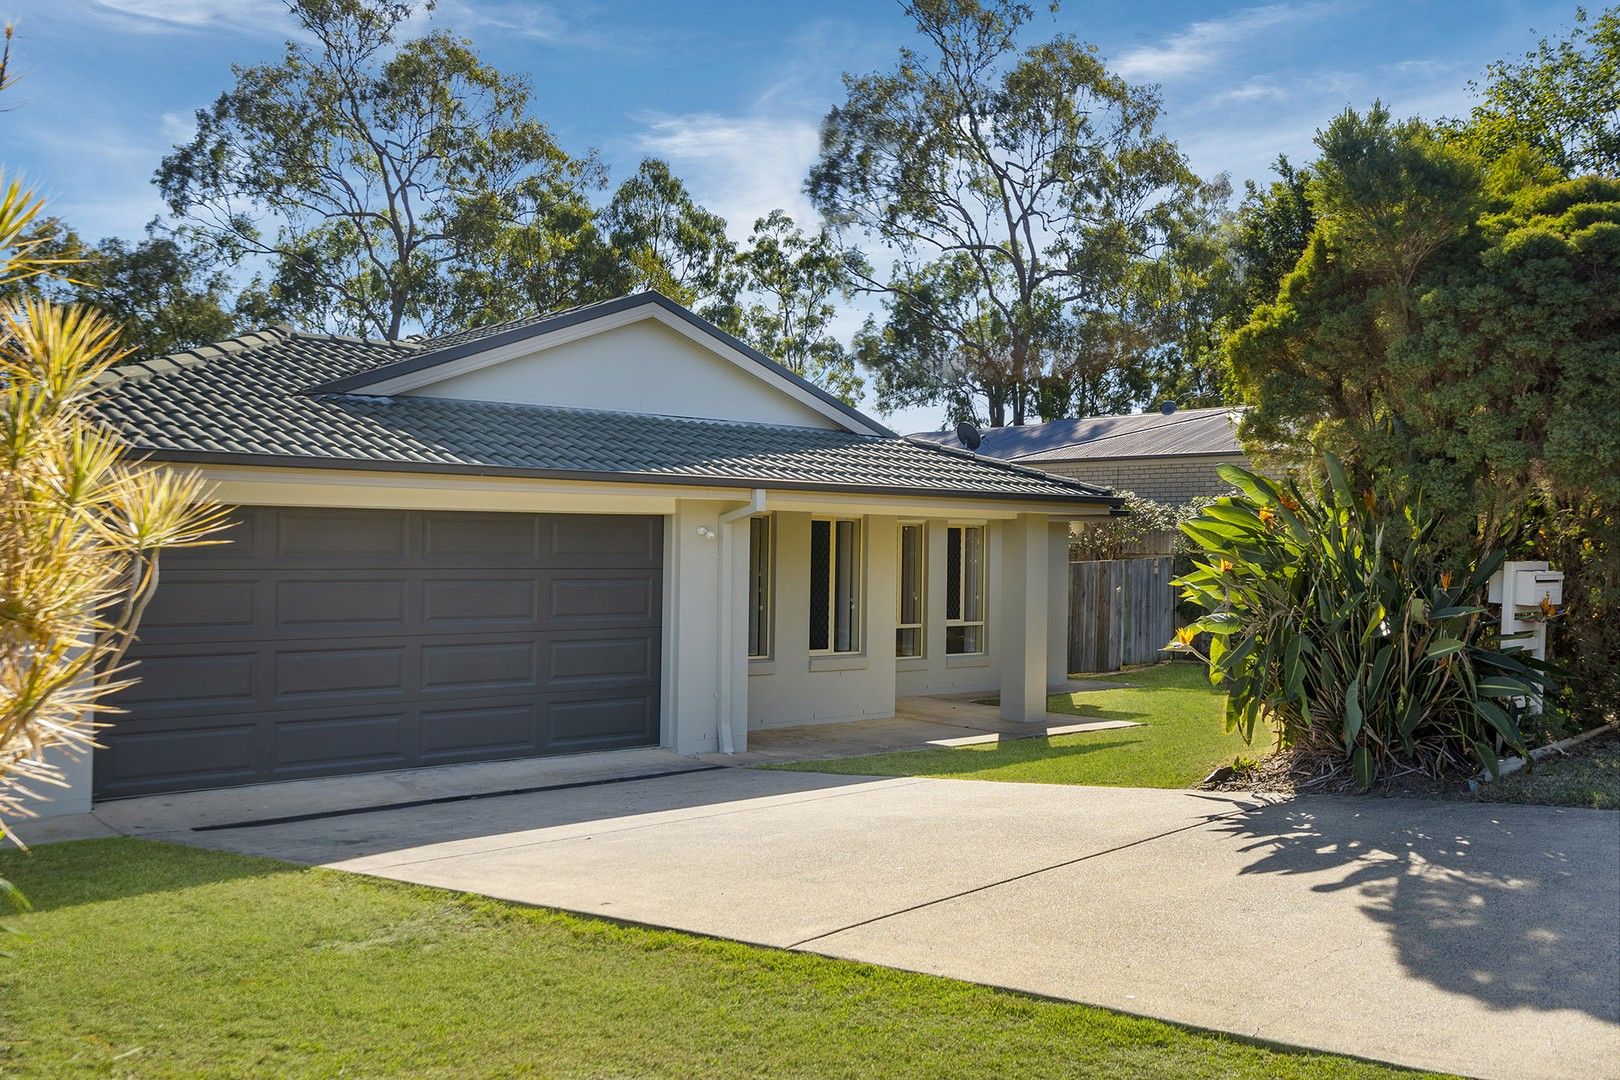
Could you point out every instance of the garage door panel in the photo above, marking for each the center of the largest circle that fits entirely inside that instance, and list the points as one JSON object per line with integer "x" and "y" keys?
{"x": 340, "y": 743}
{"x": 210, "y": 680}
{"x": 335, "y": 674}
{"x": 484, "y": 601}
{"x": 334, "y": 641}
{"x": 574, "y": 664}
{"x": 329, "y": 603}
{"x": 480, "y": 539}
{"x": 188, "y": 603}
{"x": 599, "y": 723}
{"x": 499, "y": 666}
{"x": 324, "y": 536}
{"x": 602, "y": 541}
{"x": 186, "y": 755}
{"x": 591, "y": 600}
{"x": 462, "y": 734}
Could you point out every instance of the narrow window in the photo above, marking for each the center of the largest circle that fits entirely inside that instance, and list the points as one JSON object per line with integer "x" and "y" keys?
{"x": 759, "y": 587}
{"x": 908, "y": 632}
{"x": 964, "y": 590}
{"x": 835, "y": 585}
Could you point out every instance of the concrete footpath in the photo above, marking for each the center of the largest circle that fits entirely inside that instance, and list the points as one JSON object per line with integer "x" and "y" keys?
{"x": 1477, "y": 939}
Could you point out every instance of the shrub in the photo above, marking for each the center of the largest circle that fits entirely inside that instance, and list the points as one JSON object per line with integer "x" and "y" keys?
{"x": 1146, "y": 528}
{"x": 1342, "y": 624}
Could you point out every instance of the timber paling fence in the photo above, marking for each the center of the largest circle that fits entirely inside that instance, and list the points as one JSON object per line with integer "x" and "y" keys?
{"x": 1121, "y": 611}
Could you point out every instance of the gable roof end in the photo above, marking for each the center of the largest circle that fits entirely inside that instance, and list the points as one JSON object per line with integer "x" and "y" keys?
{"x": 439, "y": 352}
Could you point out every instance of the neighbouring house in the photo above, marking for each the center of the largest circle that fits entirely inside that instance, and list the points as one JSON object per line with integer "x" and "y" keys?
{"x": 1166, "y": 458}
{"x": 613, "y": 527}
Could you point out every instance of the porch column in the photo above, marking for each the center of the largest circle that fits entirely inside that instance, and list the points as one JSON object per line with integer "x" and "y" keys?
{"x": 1025, "y": 561}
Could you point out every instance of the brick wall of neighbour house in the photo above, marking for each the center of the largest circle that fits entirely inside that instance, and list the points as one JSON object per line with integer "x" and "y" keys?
{"x": 1173, "y": 480}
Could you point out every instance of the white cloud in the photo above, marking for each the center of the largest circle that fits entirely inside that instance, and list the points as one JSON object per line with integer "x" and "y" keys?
{"x": 741, "y": 167}
{"x": 1206, "y": 43}
{"x": 258, "y": 17}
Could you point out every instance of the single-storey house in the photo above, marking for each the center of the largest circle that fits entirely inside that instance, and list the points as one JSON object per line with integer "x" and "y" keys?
{"x": 613, "y": 527}
{"x": 1167, "y": 457}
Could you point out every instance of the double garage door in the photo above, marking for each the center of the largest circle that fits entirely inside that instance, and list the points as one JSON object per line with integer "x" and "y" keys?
{"x": 323, "y": 642}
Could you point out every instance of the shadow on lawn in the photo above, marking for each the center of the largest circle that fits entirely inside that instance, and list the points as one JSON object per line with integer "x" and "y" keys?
{"x": 971, "y": 759}
{"x": 1517, "y": 910}
{"x": 54, "y": 876}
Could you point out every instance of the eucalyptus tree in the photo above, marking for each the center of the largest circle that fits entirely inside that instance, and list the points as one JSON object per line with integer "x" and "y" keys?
{"x": 369, "y": 172}
{"x": 1015, "y": 189}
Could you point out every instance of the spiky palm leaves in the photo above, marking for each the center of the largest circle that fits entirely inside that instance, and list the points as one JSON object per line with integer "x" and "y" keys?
{"x": 81, "y": 525}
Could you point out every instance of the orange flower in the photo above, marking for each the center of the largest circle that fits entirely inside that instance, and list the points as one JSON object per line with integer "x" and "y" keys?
{"x": 1184, "y": 637}
{"x": 1224, "y": 566}
{"x": 1548, "y": 608}
{"x": 1445, "y": 579}
{"x": 1268, "y": 516}
{"x": 1367, "y": 500}
{"x": 1289, "y": 502}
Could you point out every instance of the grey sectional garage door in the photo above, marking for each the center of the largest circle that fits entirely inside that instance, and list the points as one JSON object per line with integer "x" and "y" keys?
{"x": 322, "y": 642}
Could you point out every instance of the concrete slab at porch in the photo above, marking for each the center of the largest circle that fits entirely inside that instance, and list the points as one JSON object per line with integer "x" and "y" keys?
{"x": 918, "y": 724}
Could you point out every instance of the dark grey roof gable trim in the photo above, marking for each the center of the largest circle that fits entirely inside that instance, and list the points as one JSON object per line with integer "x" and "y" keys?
{"x": 431, "y": 357}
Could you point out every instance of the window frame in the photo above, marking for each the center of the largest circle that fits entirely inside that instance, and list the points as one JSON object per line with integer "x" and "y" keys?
{"x": 766, "y": 599}
{"x": 921, "y": 625}
{"x": 857, "y": 587}
{"x": 960, "y": 585}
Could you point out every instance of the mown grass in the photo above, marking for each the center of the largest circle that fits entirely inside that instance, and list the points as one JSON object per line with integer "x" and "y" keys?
{"x": 1589, "y": 776}
{"x": 154, "y": 960}
{"x": 1180, "y": 742}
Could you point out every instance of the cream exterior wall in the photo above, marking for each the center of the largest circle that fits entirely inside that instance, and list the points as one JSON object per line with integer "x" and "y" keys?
{"x": 642, "y": 367}
{"x": 791, "y": 688}
{"x": 1173, "y": 480}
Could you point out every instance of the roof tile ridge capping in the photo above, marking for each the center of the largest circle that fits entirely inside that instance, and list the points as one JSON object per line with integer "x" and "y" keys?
{"x": 138, "y": 370}
{"x": 1007, "y": 465}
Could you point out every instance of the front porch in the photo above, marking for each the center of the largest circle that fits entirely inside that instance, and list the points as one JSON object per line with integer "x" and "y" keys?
{"x": 918, "y": 723}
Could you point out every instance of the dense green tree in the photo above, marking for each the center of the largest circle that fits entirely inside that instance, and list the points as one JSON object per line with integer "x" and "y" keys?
{"x": 782, "y": 290}
{"x": 663, "y": 239}
{"x": 1016, "y": 187}
{"x": 1455, "y": 331}
{"x": 1272, "y": 228}
{"x": 1562, "y": 99}
{"x": 370, "y": 173}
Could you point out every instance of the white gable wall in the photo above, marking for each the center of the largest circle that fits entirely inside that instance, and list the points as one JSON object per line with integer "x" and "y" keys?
{"x": 642, "y": 367}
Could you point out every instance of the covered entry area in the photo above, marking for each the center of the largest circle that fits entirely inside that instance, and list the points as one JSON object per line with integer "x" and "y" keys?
{"x": 324, "y": 641}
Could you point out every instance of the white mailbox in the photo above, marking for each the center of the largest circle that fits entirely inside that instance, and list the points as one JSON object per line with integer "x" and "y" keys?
{"x": 1531, "y": 587}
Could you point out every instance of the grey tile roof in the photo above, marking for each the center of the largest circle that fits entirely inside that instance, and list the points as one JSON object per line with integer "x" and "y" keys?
{"x": 1190, "y": 431}
{"x": 247, "y": 400}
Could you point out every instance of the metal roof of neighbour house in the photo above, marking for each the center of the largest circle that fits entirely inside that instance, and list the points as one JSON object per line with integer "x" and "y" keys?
{"x": 1183, "y": 433}
{"x": 266, "y": 398}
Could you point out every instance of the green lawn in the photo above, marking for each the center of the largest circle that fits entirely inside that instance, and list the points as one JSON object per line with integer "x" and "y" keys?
{"x": 1181, "y": 740}
{"x": 1588, "y": 776}
{"x": 148, "y": 959}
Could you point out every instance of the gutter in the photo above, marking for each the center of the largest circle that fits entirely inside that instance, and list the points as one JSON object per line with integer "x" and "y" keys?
{"x": 754, "y": 506}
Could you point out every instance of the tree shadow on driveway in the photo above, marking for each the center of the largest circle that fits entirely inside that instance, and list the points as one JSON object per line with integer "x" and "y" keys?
{"x": 1517, "y": 907}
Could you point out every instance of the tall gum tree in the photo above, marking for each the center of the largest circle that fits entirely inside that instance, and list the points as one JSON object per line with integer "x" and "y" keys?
{"x": 1015, "y": 187}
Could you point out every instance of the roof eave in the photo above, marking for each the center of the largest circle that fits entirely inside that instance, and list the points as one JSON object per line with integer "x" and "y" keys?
{"x": 205, "y": 457}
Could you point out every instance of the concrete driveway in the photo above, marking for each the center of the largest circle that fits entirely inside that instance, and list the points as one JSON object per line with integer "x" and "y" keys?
{"x": 1477, "y": 939}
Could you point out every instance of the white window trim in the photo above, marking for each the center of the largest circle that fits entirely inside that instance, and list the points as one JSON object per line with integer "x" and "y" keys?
{"x": 857, "y": 631}
{"x": 921, "y": 626}
{"x": 984, "y": 588}
{"x": 768, "y": 618}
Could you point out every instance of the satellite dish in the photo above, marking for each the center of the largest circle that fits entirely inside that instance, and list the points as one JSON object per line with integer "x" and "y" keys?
{"x": 1167, "y": 408}
{"x": 968, "y": 435}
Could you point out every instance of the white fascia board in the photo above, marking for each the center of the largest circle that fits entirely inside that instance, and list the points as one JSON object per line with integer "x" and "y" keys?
{"x": 416, "y": 380}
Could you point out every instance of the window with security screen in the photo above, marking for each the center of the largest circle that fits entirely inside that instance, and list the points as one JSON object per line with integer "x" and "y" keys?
{"x": 964, "y": 590}
{"x": 835, "y": 545}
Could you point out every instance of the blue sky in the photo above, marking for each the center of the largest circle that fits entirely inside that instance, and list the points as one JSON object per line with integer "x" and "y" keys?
{"x": 731, "y": 92}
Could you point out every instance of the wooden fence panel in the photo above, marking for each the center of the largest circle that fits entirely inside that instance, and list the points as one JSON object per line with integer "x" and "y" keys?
{"x": 1121, "y": 611}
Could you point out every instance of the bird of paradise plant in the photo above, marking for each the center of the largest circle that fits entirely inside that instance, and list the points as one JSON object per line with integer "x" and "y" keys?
{"x": 1339, "y": 622}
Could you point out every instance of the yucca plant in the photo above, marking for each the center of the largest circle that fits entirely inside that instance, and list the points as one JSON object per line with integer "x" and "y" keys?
{"x": 81, "y": 525}
{"x": 1340, "y": 624}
